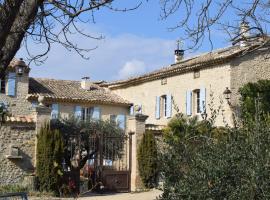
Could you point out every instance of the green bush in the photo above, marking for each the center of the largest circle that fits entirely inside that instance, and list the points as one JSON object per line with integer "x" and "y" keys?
{"x": 215, "y": 163}
{"x": 255, "y": 99}
{"x": 147, "y": 159}
{"x": 49, "y": 158}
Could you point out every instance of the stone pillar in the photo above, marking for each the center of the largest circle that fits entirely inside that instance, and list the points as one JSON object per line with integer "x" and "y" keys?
{"x": 42, "y": 115}
{"x": 136, "y": 125}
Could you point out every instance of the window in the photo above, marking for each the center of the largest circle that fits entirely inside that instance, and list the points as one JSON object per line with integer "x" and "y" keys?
{"x": 113, "y": 118}
{"x": 164, "y": 106}
{"x": 3, "y": 86}
{"x": 55, "y": 111}
{"x": 163, "y": 81}
{"x": 85, "y": 113}
{"x": 197, "y": 101}
{"x": 119, "y": 120}
{"x": 196, "y": 74}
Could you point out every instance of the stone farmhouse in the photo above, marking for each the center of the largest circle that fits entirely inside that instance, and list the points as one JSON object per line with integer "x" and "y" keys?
{"x": 192, "y": 86}
{"x": 31, "y": 101}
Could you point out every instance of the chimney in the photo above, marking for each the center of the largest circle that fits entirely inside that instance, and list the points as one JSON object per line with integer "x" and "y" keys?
{"x": 244, "y": 33}
{"x": 178, "y": 53}
{"x": 85, "y": 83}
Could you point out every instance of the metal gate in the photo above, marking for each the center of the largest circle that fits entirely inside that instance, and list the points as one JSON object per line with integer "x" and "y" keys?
{"x": 111, "y": 166}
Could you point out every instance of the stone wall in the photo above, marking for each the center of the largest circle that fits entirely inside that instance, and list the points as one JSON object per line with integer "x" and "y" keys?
{"x": 19, "y": 105}
{"x": 249, "y": 68}
{"x": 23, "y": 136}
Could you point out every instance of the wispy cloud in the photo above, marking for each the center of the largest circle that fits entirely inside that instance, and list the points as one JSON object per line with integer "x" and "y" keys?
{"x": 116, "y": 57}
{"x": 132, "y": 68}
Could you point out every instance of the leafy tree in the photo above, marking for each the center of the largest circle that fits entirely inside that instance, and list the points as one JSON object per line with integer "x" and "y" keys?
{"x": 255, "y": 100}
{"x": 50, "y": 149}
{"x": 147, "y": 159}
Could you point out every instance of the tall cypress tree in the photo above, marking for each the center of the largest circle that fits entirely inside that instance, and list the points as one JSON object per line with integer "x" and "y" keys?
{"x": 50, "y": 150}
{"x": 147, "y": 160}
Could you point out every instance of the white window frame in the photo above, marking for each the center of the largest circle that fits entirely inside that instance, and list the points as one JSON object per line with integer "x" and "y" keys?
{"x": 196, "y": 101}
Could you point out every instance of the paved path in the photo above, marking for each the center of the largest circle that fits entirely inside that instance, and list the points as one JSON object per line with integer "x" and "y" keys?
{"x": 151, "y": 195}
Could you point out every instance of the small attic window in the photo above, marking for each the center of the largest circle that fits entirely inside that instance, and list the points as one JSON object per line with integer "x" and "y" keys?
{"x": 163, "y": 81}
{"x": 196, "y": 74}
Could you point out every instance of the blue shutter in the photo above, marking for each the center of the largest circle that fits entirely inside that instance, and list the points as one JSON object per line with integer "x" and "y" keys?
{"x": 11, "y": 84}
{"x": 34, "y": 104}
{"x": 189, "y": 103}
{"x": 202, "y": 100}
{"x": 121, "y": 121}
{"x": 55, "y": 111}
{"x": 96, "y": 113}
{"x": 157, "y": 107}
{"x": 131, "y": 110}
{"x": 169, "y": 106}
{"x": 78, "y": 112}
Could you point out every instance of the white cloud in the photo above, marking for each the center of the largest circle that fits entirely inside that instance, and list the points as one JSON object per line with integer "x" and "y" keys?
{"x": 132, "y": 68}
{"x": 116, "y": 57}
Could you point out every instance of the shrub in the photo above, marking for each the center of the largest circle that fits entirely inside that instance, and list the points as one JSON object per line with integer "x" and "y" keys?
{"x": 255, "y": 97}
{"x": 49, "y": 159}
{"x": 200, "y": 164}
{"x": 147, "y": 159}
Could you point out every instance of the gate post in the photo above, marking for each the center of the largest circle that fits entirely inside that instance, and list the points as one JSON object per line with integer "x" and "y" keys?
{"x": 136, "y": 125}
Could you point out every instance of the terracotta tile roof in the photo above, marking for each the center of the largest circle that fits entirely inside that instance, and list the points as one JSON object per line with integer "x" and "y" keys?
{"x": 71, "y": 91}
{"x": 198, "y": 62}
{"x": 22, "y": 119}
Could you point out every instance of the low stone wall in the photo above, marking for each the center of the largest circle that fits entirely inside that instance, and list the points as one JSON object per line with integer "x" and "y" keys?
{"x": 23, "y": 136}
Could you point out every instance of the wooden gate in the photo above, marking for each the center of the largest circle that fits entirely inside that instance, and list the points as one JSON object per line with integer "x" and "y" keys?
{"x": 112, "y": 162}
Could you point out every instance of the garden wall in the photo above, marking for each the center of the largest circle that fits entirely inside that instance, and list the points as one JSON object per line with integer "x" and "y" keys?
{"x": 14, "y": 166}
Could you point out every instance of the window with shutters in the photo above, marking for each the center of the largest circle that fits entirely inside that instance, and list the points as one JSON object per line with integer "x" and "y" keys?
{"x": 89, "y": 113}
{"x": 198, "y": 101}
{"x": 163, "y": 105}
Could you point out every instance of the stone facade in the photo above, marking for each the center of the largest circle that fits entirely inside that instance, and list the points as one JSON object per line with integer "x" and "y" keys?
{"x": 22, "y": 136}
{"x": 250, "y": 68}
{"x": 18, "y": 104}
{"x": 214, "y": 79}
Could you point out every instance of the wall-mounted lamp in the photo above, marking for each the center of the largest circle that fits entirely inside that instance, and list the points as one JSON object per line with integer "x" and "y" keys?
{"x": 204, "y": 115}
{"x": 227, "y": 95}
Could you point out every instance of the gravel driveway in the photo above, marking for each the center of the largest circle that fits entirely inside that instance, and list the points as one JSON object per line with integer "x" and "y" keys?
{"x": 151, "y": 195}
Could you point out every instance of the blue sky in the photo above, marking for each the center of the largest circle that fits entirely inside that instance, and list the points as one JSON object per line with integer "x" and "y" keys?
{"x": 135, "y": 42}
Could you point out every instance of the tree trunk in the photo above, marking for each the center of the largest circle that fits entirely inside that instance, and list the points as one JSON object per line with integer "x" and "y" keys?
{"x": 19, "y": 25}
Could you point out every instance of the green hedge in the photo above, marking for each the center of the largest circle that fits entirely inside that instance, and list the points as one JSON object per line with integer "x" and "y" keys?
{"x": 147, "y": 159}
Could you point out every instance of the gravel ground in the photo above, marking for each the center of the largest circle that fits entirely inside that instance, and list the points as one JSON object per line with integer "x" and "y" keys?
{"x": 151, "y": 195}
